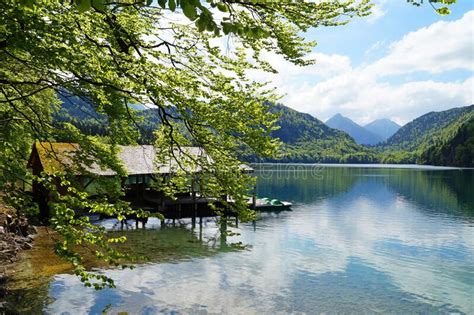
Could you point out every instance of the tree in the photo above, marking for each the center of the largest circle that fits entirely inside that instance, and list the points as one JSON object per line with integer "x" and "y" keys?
{"x": 440, "y": 6}
{"x": 172, "y": 55}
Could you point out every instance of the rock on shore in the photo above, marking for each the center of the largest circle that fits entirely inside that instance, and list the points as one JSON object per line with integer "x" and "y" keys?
{"x": 15, "y": 235}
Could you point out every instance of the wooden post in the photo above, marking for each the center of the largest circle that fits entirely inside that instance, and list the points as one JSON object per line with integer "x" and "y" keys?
{"x": 163, "y": 206}
{"x": 193, "y": 193}
{"x": 254, "y": 197}
{"x": 200, "y": 229}
{"x": 223, "y": 229}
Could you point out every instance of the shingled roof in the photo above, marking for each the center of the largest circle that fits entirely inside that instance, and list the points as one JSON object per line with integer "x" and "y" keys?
{"x": 137, "y": 160}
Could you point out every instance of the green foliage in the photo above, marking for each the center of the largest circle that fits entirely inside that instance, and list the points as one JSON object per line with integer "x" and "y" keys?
{"x": 114, "y": 54}
{"x": 454, "y": 145}
{"x": 432, "y": 139}
{"x": 442, "y": 10}
{"x": 420, "y": 130}
{"x": 308, "y": 140}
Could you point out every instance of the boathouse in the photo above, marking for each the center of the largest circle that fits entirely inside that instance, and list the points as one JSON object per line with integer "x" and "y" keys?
{"x": 142, "y": 169}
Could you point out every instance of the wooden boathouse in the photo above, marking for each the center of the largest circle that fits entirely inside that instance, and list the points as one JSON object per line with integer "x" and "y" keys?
{"x": 142, "y": 169}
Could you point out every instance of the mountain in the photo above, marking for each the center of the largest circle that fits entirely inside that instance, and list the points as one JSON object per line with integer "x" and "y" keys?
{"x": 454, "y": 146}
{"x": 384, "y": 128}
{"x": 436, "y": 138}
{"x": 300, "y": 127}
{"x": 307, "y": 139}
{"x": 83, "y": 115}
{"x": 358, "y": 133}
{"x": 304, "y": 138}
{"x": 420, "y": 130}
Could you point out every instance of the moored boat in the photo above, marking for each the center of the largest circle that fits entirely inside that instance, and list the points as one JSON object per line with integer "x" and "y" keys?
{"x": 267, "y": 204}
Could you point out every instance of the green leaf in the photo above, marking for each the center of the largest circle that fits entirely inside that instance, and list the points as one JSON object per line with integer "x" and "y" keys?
{"x": 222, "y": 7}
{"x": 28, "y": 3}
{"x": 201, "y": 23}
{"x": 189, "y": 11}
{"x": 172, "y": 5}
{"x": 83, "y": 5}
{"x": 210, "y": 26}
{"x": 443, "y": 11}
{"x": 162, "y": 3}
{"x": 98, "y": 4}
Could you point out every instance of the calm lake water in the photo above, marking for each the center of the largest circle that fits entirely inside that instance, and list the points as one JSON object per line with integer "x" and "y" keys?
{"x": 358, "y": 240}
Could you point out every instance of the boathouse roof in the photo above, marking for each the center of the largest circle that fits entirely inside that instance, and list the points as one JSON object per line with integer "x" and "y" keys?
{"x": 137, "y": 160}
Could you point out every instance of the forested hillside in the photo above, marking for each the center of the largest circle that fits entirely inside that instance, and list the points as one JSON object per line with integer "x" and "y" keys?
{"x": 420, "y": 130}
{"x": 82, "y": 114}
{"x": 307, "y": 139}
{"x": 436, "y": 138}
{"x": 453, "y": 146}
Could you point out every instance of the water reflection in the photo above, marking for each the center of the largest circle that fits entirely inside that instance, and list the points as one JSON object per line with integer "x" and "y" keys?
{"x": 358, "y": 240}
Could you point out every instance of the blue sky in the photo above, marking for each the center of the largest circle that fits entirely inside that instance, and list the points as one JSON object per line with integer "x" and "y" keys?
{"x": 391, "y": 20}
{"x": 399, "y": 63}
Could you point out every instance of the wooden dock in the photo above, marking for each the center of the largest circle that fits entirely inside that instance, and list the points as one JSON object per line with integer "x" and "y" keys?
{"x": 192, "y": 205}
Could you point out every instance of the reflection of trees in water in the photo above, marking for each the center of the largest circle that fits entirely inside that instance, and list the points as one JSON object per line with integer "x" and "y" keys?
{"x": 29, "y": 288}
{"x": 304, "y": 184}
{"x": 448, "y": 191}
{"x": 27, "y": 300}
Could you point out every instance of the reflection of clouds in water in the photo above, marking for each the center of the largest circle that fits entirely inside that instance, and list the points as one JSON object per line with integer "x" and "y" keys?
{"x": 65, "y": 286}
{"x": 356, "y": 232}
{"x": 407, "y": 251}
{"x": 177, "y": 287}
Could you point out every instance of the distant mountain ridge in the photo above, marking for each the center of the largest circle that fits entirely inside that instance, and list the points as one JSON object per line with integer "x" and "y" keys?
{"x": 384, "y": 128}
{"x": 307, "y": 139}
{"x": 357, "y": 132}
{"x": 296, "y": 126}
{"x": 436, "y": 138}
{"x": 421, "y": 129}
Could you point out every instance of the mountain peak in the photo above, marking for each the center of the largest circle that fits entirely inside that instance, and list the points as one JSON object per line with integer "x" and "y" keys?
{"x": 337, "y": 116}
{"x": 383, "y": 127}
{"x": 360, "y": 135}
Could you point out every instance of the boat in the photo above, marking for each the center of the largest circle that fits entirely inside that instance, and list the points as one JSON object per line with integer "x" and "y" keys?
{"x": 267, "y": 204}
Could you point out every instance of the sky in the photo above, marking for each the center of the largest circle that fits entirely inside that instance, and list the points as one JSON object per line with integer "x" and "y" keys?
{"x": 399, "y": 63}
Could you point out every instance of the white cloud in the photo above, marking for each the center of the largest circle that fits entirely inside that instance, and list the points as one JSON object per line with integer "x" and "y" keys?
{"x": 442, "y": 46}
{"x": 326, "y": 66}
{"x": 365, "y": 92}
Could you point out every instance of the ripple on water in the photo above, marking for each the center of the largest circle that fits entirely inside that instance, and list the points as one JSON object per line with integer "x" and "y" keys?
{"x": 357, "y": 241}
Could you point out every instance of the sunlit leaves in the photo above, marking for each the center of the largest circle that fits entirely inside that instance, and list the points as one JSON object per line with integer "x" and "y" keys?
{"x": 113, "y": 54}
{"x": 442, "y": 10}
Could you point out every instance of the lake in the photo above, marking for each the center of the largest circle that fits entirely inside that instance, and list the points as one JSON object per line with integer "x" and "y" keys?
{"x": 358, "y": 240}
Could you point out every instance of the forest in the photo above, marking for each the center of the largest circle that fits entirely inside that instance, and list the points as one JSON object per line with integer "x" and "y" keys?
{"x": 437, "y": 138}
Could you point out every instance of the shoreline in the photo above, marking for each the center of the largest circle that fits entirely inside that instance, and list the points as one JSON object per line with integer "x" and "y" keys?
{"x": 366, "y": 165}
{"x": 16, "y": 236}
